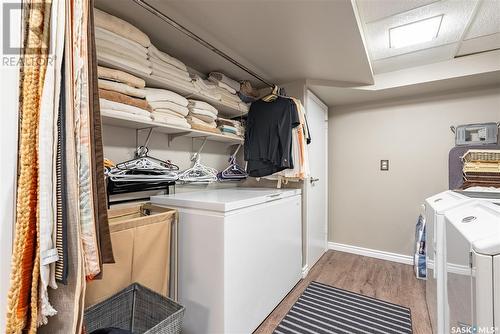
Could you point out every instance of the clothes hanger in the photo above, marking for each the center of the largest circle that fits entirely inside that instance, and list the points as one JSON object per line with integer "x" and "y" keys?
{"x": 199, "y": 173}
{"x": 272, "y": 96}
{"x": 233, "y": 172}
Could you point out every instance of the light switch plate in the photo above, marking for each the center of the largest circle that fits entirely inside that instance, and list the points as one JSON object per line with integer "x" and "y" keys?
{"x": 384, "y": 165}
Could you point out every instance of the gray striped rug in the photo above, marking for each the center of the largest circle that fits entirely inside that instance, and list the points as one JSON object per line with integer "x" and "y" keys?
{"x": 325, "y": 309}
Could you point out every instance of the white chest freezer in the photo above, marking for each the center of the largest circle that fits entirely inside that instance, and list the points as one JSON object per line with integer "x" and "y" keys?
{"x": 240, "y": 253}
{"x": 473, "y": 268}
{"x": 435, "y": 289}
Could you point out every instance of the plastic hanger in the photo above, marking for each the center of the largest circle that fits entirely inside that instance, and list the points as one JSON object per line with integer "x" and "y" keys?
{"x": 233, "y": 172}
{"x": 272, "y": 96}
{"x": 199, "y": 173}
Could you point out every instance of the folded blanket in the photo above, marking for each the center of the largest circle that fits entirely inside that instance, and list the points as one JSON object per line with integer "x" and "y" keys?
{"x": 230, "y": 122}
{"x": 169, "y": 68}
{"x": 168, "y": 112}
{"x": 109, "y": 36}
{"x": 122, "y": 53}
{"x": 229, "y": 134}
{"x": 187, "y": 85}
{"x": 221, "y": 77}
{"x": 121, "y": 88}
{"x": 126, "y": 115}
{"x": 120, "y": 76}
{"x": 228, "y": 96}
{"x": 175, "y": 121}
{"x": 153, "y": 52}
{"x": 169, "y": 73}
{"x": 204, "y": 128}
{"x": 107, "y": 104}
{"x": 122, "y": 98}
{"x": 169, "y": 105}
{"x": 202, "y": 105}
{"x": 157, "y": 94}
{"x": 110, "y": 60}
{"x": 195, "y": 120}
{"x": 120, "y": 27}
{"x": 204, "y": 115}
{"x": 222, "y": 85}
{"x": 230, "y": 129}
{"x": 209, "y": 92}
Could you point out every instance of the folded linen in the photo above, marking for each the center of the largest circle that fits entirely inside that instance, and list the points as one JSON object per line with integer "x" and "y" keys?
{"x": 120, "y": 27}
{"x": 169, "y": 68}
{"x": 169, "y": 105}
{"x": 120, "y": 76}
{"x": 230, "y": 129}
{"x": 121, "y": 88}
{"x": 124, "y": 114}
{"x": 168, "y": 73}
{"x": 122, "y": 53}
{"x": 204, "y": 128}
{"x": 229, "y": 97}
{"x": 209, "y": 92}
{"x": 112, "y": 105}
{"x": 109, "y": 36}
{"x": 157, "y": 94}
{"x": 110, "y": 60}
{"x": 230, "y": 122}
{"x": 195, "y": 120}
{"x": 221, "y": 77}
{"x": 202, "y": 105}
{"x": 229, "y": 134}
{"x": 153, "y": 52}
{"x": 175, "y": 121}
{"x": 171, "y": 80}
{"x": 204, "y": 115}
{"x": 168, "y": 112}
{"x": 122, "y": 98}
{"x": 224, "y": 86}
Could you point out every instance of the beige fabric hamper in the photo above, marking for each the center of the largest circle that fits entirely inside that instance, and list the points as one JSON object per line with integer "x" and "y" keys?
{"x": 141, "y": 239}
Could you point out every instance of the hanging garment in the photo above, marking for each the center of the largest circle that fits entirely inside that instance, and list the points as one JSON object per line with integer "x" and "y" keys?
{"x": 268, "y": 136}
{"x": 22, "y": 304}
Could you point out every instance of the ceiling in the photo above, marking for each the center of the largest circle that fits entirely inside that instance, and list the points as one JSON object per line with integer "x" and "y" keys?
{"x": 280, "y": 40}
{"x": 467, "y": 27}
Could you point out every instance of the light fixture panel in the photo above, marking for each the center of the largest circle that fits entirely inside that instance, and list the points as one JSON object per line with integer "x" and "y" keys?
{"x": 417, "y": 32}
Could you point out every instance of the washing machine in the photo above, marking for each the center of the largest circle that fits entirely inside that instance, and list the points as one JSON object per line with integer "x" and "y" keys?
{"x": 435, "y": 207}
{"x": 473, "y": 268}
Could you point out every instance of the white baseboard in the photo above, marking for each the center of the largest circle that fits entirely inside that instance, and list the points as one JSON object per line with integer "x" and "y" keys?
{"x": 382, "y": 255}
{"x": 305, "y": 271}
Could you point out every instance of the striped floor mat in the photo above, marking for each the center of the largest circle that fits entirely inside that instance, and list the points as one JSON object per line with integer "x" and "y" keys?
{"x": 325, "y": 309}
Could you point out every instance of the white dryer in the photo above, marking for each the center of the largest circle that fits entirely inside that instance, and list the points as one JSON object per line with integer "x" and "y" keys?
{"x": 473, "y": 268}
{"x": 435, "y": 207}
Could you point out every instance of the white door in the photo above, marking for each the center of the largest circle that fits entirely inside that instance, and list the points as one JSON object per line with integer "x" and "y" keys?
{"x": 316, "y": 190}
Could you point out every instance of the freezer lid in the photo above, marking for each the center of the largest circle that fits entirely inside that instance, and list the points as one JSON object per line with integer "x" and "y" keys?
{"x": 223, "y": 200}
{"x": 479, "y": 223}
{"x": 444, "y": 200}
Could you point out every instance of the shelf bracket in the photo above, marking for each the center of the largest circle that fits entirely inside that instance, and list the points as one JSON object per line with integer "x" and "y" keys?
{"x": 172, "y": 136}
{"x": 139, "y": 152}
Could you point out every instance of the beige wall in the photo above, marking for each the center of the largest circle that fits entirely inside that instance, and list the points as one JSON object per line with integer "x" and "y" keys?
{"x": 377, "y": 210}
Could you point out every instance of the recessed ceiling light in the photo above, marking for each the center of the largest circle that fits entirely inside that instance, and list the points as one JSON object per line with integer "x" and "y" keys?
{"x": 415, "y": 32}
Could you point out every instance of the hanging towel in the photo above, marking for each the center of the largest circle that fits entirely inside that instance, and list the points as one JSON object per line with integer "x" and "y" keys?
{"x": 170, "y": 105}
{"x": 202, "y": 105}
{"x": 120, "y": 76}
{"x": 156, "y": 94}
{"x": 111, "y": 105}
{"x": 222, "y": 78}
{"x": 120, "y": 27}
{"x": 122, "y": 88}
{"x": 109, "y": 36}
{"x": 125, "y": 99}
{"x": 153, "y": 52}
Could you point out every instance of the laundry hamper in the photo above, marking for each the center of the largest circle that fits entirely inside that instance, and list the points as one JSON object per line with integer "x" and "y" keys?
{"x": 138, "y": 309}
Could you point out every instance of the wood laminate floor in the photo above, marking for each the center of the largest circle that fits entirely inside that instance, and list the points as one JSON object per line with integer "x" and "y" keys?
{"x": 389, "y": 281}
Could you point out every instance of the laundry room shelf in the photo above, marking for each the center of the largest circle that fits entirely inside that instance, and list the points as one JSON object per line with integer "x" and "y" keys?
{"x": 125, "y": 121}
{"x": 191, "y": 93}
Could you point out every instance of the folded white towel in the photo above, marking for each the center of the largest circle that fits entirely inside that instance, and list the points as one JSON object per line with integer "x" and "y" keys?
{"x": 160, "y": 64}
{"x": 195, "y": 120}
{"x": 121, "y": 53}
{"x": 120, "y": 76}
{"x": 175, "y": 121}
{"x": 128, "y": 44}
{"x": 169, "y": 73}
{"x": 111, "y": 60}
{"x": 204, "y": 115}
{"x": 171, "y": 80}
{"x": 120, "y": 27}
{"x": 121, "y": 88}
{"x": 223, "y": 85}
{"x": 156, "y": 105}
{"x": 153, "y": 52}
{"x": 124, "y": 114}
{"x": 168, "y": 112}
{"x": 157, "y": 94}
{"x": 107, "y": 104}
{"x": 221, "y": 77}
{"x": 202, "y": 105}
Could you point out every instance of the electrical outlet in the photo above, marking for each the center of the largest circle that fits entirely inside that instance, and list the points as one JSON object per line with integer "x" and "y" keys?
{"x": 384, "y": 165}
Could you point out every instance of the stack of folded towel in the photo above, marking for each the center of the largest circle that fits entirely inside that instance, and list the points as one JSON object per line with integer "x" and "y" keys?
{"x": 122, "y": 93}
{"x": 206, "y": 87}
{"x": 202, "y": 116}
{"x": 230, "y": 127}
{"x": 121, "y": 45}
{"x": 169, "y": 68}
{"x": 168, "y": 107}
{"x": 228, "y": 89}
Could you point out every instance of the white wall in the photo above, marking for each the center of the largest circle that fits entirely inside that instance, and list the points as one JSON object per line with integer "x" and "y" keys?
{"x": 378, "y": 210}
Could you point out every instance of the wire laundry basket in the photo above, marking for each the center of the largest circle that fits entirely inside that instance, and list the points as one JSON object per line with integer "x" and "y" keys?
{"x": 483, "y": 161}
{"x": 138, "y": 309}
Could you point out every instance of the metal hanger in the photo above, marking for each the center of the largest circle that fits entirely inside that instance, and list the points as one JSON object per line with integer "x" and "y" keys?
{"x": 233, "y": 172}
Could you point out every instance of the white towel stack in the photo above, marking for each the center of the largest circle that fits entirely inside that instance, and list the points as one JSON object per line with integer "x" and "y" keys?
{"x": 230, "y": 127}
{"x": 168, "y": 107}
{"x": 228, "y": 89}
{"x": 206, "y": 87}
{"x": 121, "y": 45}
{"x": 169, "y": 68}
{"x": 202, "y": 114}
